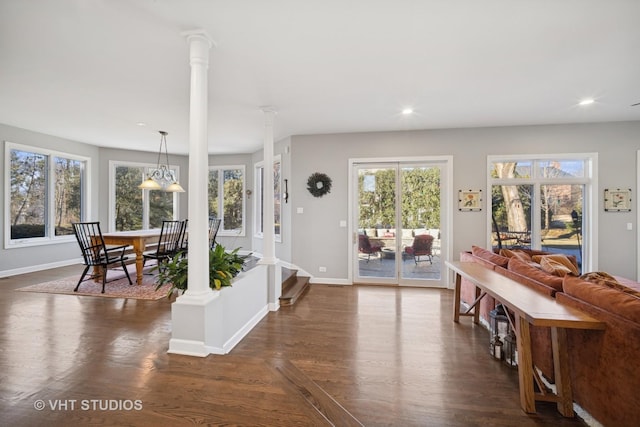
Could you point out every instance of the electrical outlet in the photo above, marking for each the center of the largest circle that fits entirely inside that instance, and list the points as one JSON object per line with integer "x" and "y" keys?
{"x": 322, "y": 269}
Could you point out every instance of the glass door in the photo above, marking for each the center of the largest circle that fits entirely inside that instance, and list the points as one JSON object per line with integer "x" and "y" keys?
{"x": 397, "y": 223}
{"x": 421, "y": 243}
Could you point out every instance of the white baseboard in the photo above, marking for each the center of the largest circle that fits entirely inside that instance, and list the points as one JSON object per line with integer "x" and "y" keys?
{"x": 188, "y": 348}
{"x": 39, "y": 267}
{"x": 238, "y": 336}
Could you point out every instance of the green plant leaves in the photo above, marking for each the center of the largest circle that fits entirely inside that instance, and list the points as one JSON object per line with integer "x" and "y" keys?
{"x": 223, "y": 267}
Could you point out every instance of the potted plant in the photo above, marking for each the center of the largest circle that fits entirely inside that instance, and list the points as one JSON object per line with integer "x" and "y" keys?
{"x": 223, "y": 267}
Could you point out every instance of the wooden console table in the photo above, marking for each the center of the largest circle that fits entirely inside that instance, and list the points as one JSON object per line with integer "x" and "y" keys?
{"x": 530, "y": 308}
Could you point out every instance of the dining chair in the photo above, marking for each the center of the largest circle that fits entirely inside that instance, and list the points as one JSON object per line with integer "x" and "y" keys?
{"x": 168, "y": 243}
{"x": 96, "y": 253}
{"x": 184, "y": 241}
{"x": 214, "y": 226}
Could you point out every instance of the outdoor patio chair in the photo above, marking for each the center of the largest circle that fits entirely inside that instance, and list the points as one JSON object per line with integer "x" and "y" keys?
{"x": 366, "y": 247}
{"x": 214, "y": 226}
{"x": 422, "y": 245}
{"x": 95, "y": 253}
{"x": 169, "y": 243}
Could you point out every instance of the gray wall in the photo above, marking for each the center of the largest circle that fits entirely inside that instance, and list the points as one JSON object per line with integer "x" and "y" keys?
{"x": 314, "y": 238}
{"x": 51, "y": 254}
{"x": 283, "y": 248}
{"x": 319, "y": 241}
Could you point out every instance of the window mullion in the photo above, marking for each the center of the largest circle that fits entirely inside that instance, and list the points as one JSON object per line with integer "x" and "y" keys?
{"x": 50, "y": 198}
{"x": 221, "y": 196}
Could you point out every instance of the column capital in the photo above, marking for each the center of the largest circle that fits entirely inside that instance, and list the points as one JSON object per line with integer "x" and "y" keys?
{"x": 199, "y": 34}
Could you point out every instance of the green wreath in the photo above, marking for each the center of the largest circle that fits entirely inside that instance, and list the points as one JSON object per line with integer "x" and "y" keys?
{"x": 319, "y": 184}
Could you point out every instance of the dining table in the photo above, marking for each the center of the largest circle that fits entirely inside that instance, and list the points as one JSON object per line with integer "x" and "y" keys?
{"x": 139, "y": 239}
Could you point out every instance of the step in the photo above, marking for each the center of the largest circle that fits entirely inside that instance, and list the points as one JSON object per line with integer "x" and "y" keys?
{"x": 288, "y": 277}
{"x": 296, "y": 287}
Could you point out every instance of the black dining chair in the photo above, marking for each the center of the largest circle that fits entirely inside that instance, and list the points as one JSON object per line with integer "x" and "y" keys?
{"x": 95, "y": 253}
{"x": 214, "y": 226}
{"x": 169, "y": 243}
{"x": 184, "y": 241}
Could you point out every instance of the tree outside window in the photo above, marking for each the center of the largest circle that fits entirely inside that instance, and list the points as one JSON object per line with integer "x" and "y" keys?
{"x": 226, "y": 197}
{"x": 539, "y": 204}
{"x": 46, "y": 193}
{"x": 137, "y": 209}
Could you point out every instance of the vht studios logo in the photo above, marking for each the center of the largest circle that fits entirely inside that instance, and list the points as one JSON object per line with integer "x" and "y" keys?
{"x": 88, "y": 405}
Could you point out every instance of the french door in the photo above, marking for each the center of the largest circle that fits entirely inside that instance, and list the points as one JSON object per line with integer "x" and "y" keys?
{"x": 398, "y": 222}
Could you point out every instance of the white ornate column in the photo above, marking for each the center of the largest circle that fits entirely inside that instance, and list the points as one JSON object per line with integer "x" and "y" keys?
{"x": 268, "y": 235}
{"x": 191, "y": 310}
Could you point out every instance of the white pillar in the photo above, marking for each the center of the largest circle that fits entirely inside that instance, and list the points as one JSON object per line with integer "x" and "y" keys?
{"x": 268, "y": 242}
{"x": 274, "y": 274}
{"x": 199, "y": 45}
{"x": 190, "y": 314}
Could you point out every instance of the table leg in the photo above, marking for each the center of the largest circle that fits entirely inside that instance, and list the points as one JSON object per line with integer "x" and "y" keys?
{"x": 561, "y": 369}
{"x": 456, "y": 299}
{"x": 525, "y": 366}
{"x": 476, "y": 310}
{"x": 138, "y": 248}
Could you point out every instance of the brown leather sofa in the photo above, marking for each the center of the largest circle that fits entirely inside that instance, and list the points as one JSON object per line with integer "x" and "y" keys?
{"x": 604, "y": 365}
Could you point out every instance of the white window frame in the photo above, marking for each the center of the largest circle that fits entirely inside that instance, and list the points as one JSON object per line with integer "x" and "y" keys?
{"x": 590, "y": 202}
{"x": 51, "y": 238}
{"x": 113, "y": 164}
{"x": 258, "y": 205}
{"x": 221, "y": 168}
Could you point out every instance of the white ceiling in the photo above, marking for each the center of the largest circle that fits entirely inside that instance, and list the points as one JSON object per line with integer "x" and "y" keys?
{"x": 90, "y": 70}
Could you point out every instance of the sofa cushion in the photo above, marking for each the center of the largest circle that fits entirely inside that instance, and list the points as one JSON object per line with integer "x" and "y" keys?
{"x": 535, "y": 274}
{"x": 604, "y": 278}
{"x": 599, "y": 293}
{"x": 521, "y": 255}
{"x": 490, "y": 256}
{"x": 557, "y": 264}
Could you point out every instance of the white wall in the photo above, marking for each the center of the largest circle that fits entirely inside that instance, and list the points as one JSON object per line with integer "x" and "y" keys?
{"x": 319, "y": 241}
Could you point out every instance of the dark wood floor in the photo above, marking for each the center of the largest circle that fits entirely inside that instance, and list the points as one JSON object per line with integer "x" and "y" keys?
{"x": 360, "y": 355}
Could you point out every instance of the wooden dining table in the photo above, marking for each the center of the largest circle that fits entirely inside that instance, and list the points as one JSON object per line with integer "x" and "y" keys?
{"x": 139, "y": 239}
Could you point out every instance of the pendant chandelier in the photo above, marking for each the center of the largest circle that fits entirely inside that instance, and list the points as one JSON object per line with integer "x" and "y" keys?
{"x": 162, "y": 177}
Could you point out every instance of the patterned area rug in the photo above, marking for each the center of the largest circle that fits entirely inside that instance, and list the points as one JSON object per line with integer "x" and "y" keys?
{"x": 117, "y": 287}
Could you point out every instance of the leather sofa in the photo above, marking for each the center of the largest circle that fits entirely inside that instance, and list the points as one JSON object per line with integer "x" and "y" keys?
{"x": 604, "y": 365}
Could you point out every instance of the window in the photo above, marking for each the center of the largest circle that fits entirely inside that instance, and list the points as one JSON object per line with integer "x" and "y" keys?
{"x": 277, "y": 195}
{"x": 136, "y": 209}
{"x": 226, "y": 198}
{"x": 541, "y": 203}
{"x": 46, "y": 191}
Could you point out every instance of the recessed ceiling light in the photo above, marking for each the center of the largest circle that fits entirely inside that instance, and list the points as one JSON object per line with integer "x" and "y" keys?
{"x": 141, "y": 124}
{"x": 587, "y": 101}
{"x": 407, "y": 111}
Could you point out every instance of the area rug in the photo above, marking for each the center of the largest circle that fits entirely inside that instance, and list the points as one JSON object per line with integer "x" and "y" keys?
{"x": 115, "y": 288}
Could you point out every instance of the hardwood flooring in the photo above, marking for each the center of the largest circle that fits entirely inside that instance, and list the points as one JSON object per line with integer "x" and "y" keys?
{"x": 343, "y": 356}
